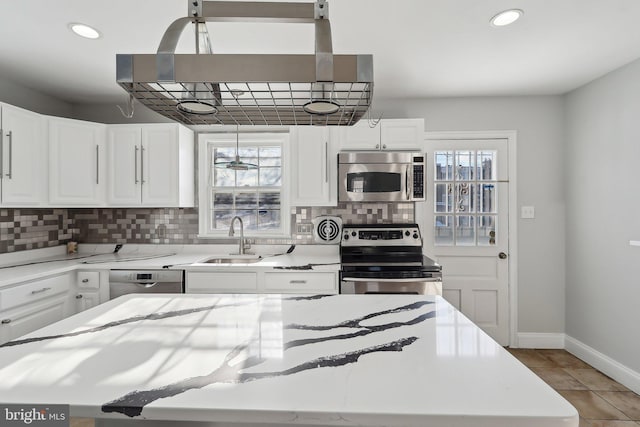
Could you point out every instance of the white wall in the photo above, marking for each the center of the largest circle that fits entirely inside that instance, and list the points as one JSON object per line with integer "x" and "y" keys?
{"x": 21, "y": 96}
{"x": 541, "y": 247}
{"x": 603, "y": 214}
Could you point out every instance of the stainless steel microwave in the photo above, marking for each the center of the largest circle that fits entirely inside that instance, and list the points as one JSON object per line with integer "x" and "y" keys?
{"x": 381, "y": 176}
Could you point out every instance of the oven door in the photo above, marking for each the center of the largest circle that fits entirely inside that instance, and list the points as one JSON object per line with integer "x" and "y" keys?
{"x": 415, "y": 286}
{"x": 367, "y": 182}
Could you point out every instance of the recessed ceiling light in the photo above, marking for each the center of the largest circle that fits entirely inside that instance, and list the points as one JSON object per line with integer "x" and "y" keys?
{"x": 84, "y": 30}
{"x": 506, "y": 17}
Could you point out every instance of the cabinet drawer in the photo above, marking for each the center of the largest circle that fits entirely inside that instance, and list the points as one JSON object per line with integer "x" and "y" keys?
{"x": 88, "y": 280}
{"x": 33, "y": 291}
{"x": 26, "y": 319}
{"x": 214, "y": 282}
{"x": 301, "y": 282}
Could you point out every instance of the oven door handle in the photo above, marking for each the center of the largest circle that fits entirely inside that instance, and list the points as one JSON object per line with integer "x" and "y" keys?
{"x": 378, "y": 279}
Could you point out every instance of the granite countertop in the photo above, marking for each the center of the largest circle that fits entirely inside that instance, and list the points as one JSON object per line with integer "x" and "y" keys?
{"x": 370, "y": 360}
{"x": 31, "y": 265}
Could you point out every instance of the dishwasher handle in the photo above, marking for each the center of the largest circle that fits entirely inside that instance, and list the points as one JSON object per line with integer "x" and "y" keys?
{"x": 146, "y": 284}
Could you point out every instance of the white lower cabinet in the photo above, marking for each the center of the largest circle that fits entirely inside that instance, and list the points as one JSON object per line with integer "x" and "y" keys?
{"x": 281, "y": 282}
{"x": 88, "y": 290}
{"x": 32, "y": 305}
{"x": 212, "y": 282}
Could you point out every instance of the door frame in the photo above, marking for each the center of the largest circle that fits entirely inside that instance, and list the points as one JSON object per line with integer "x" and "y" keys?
{"x": 511, "y": 137}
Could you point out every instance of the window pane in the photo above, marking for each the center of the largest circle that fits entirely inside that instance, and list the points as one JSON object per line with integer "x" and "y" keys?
{"x": 224, "y": 177}
{"x": 246, "y": 201}
{"x": 221, "y": 219}
{"x": 223, "y": 154}
{"x": 486, "y": 230}
{"x": 248, "y": 152}
{"x": 444, "y": 230}
{"x": 486, "y": 194}
{"x": 444, "y": 165}
{"x": 443, "y": 197}
{"x": 486, "y": 161}
{"x": 222, "y": 200}
{"x": 268, "y": 219}
{"x": 270, "y": 156}
{"x": 248, "y": 178}
{"x": 269, "y": 201}
{"x": 249, "y": 219}
{"x": 464, "y": 197}
{"x": 465, "y": 162}
{"x": 465, "y": 230}
{"x": 270, "y": 177}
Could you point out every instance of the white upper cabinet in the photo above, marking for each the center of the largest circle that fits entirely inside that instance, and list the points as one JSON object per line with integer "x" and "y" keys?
{"x": 23, "y": 157}
{"x": 314, "y": 166}
{"x": 150, "y": 165}
{"x": 77, "y": 163}
{"x": 389, "y": 134}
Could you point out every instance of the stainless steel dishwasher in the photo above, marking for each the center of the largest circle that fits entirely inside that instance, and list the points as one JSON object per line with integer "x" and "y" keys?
{"x": 123, "y": 282}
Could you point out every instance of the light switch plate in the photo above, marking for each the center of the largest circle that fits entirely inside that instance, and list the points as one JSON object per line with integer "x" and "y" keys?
{"x": 527, "y": 212}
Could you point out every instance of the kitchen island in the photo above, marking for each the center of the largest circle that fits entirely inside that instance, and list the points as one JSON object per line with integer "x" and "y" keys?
{"x": 272, "y": 360}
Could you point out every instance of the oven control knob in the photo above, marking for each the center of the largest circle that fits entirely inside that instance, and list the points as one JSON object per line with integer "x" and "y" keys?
{"x": 415, "y": 235}
{"x": 353, "y": 233}
{"x": 346, "y": 237}
{"x": 407, "y": 233}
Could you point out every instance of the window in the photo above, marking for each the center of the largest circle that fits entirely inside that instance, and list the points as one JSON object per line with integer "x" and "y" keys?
{"x": 258, "y": 196}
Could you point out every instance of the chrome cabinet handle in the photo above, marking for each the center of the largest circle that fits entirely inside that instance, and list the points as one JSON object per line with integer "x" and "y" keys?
{"x": 142, "y": 164}
{"x": 135, "y": 165}
{"x": 297, "y": 282}
{"x": 502, "y": 255}
{"x": 10, "y": 135}
{"x": 97, "y": 164}
{"x": 79, "y": 296}
{"x": 85, "y": 280}
{"x": 5, "y": 321}
{"x": 326, "y": 161}
{"x": 377, "y": 145}
{"x": 1, "y": 153}
{"x": 384, "y": 146}
{"x": 406, "y": 182}
{"x": 40, "y": 291}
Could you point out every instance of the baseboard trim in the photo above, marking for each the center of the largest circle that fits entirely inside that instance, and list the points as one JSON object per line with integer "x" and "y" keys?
{"x": 619, "y": 372}
{"x": 540, "y": 340}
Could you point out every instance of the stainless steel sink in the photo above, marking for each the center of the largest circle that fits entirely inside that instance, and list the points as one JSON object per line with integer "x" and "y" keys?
{"x": 230, "y": 259}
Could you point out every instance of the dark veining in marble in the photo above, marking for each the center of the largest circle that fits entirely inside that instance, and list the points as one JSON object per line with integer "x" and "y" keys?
{"x": 152, "y": 316}
{"x": 302, "y": 267}
{"x": 366, "y": 331}
{"x": 133, "y": 403}
{"x": 306, "y": 297}
{"x": 356, "y": 323}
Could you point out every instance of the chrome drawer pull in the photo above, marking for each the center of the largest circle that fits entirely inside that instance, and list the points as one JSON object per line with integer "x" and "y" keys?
{"x": 78, "y": 296}
{"x": 85, "y": 280}
{"x": 297, "y": 282}
{"x": 40, "y": 291}
{"x": 5, "y": 321}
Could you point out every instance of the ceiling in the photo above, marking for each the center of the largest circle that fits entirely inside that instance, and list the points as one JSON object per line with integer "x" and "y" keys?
{"x": 421, "y": 48}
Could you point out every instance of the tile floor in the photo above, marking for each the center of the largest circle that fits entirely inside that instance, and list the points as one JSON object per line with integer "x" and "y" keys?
{"x": 600, "y": 401}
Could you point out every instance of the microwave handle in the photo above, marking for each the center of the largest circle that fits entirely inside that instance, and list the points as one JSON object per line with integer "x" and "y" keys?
{"x": 406, "y": 183}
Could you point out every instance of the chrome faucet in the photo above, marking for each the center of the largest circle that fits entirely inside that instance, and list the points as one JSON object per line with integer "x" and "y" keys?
{"x": 232, "y": 233}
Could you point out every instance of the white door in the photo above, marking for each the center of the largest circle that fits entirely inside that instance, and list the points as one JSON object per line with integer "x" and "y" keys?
{"x": 24, "y": 157}
{"x": 77, "y": 162}
{"x": 124, "y": 165}
{"x": 159, "y": 167}
{"x": 465, "y": 227}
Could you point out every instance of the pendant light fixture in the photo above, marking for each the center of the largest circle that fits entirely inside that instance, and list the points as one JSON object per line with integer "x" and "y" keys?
{"x": 237, "y": 164}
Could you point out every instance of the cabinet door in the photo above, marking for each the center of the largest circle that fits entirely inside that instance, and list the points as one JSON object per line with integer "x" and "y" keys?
{"x": 159, "y": 168}
{"x": 360, "y": 136}
{"x": 24, "y": 157}
{"x": 314, "y": 167}
{"x": 402, "y": 134}
{"x": 86, "y": 300}
{"x": 124, "y": 154}
{"x": 77, "y": 162}
{"x": 302, "y": 283}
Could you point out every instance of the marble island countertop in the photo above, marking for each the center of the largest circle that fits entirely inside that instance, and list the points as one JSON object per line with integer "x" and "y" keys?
{"x": 30, "y": 265}
{"x": 369, "y": 360}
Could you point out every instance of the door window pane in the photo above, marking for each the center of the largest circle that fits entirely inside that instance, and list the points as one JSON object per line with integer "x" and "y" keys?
{"x": 486, "y": 198}
{"x": 444, "y": 230}
{"x": 464, "y": 197}
{"x": 465, "y": 230}
{"x": 486, "y": 230}
{"x": 465, "y": 164}
{"x": 486, "y": 170}
{"x": 444, "y": 165}
{"x": 444, "y": 198}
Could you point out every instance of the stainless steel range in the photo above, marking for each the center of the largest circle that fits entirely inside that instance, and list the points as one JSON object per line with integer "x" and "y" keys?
{"x": 386, "y": 259}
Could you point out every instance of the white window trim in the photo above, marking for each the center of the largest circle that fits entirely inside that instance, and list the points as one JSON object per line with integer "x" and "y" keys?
{"x": 204, "y": 160}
